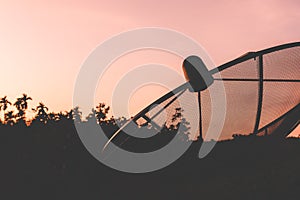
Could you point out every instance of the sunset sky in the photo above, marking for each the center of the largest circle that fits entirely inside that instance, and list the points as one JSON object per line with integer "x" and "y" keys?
{"x": 44, "y": 43}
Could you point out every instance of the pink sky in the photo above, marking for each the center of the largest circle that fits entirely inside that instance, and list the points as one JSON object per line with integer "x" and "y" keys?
{"x": 43, "y": 43}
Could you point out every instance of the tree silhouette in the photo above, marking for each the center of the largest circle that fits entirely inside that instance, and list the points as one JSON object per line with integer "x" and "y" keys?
{"x": 18, "y": 103}
{"x": 69, "y": 114}
{"x": 92, "y": 116}
{"x": 22, "y": 105}
{"x": 76, "y": 114}
{"x": 20, "y": 115}
{"x": 4, "y": 105}
{"x": 24, "y": 99}
{"x": 42, "y": 115}
{"x": 9, "y": 118}
{"x": 179, "y": 120}
{"x": 63, "y": 116}
{"x": 101, "y": 112}
{"x": 54, "y": 117}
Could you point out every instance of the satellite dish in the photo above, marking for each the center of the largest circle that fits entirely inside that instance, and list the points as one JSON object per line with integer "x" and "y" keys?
{"x": 262, "y": 97}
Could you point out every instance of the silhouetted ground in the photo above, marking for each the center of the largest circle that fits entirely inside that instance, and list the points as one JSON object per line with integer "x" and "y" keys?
{"x": 50, "y": 162}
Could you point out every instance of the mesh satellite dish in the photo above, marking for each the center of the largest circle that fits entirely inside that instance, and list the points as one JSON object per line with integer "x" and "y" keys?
{"x": 262, "y": 98}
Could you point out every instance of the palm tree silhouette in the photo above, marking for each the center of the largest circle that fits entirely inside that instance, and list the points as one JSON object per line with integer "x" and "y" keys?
{"x": 22, "y": 105}
{"x": 4, "y": 105}
{"x": 42, "y": 114}
{"x": 24, "y": 99}
{"x": 18, "y": 103}
{"x": 9, "y": 118}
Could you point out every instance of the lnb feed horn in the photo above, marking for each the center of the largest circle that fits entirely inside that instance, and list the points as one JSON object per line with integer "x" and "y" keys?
{"x": 196, "y": 73}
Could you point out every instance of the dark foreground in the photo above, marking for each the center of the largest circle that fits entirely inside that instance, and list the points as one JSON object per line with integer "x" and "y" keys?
{"x": 53, "y": 165}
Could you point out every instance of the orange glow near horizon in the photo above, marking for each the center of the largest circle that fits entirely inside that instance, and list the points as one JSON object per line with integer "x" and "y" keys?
{"x": 44, "y": 43}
